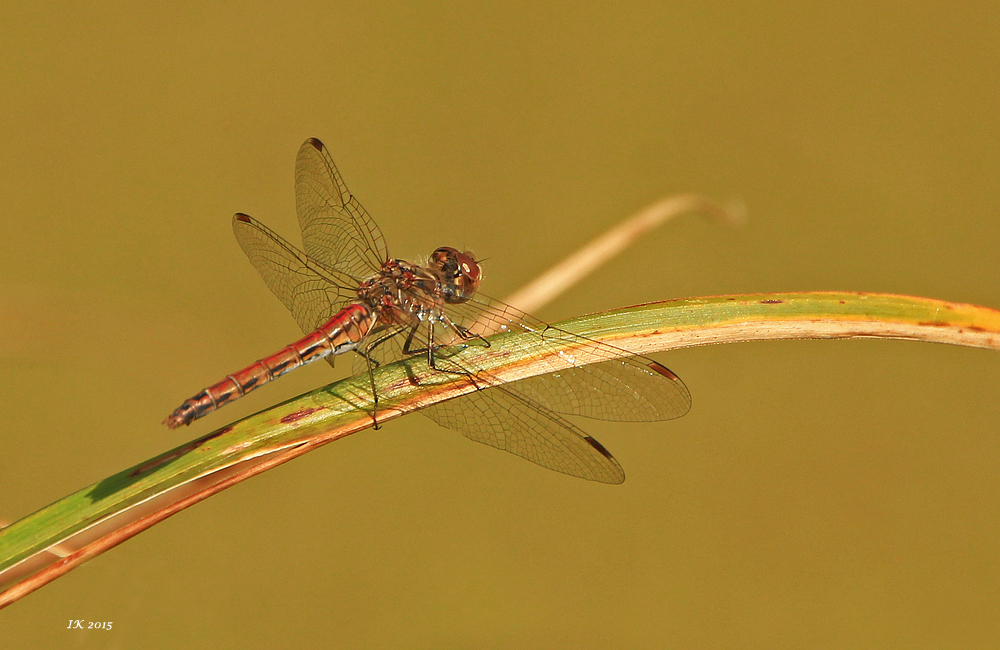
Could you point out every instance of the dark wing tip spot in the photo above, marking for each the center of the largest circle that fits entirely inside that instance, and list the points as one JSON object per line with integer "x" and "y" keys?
{"x": 598, "y": 446}
{"x": 663, "y": 370}
{"x": 239, "y": 216}
{"x": 315, "y": 143}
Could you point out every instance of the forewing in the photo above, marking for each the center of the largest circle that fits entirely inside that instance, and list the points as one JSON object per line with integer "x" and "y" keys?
{"x": 336, "y": 230}
{"x": 502, "y": 419}
{"x": 311, "y": 292}
{"x": 623, "y": 387}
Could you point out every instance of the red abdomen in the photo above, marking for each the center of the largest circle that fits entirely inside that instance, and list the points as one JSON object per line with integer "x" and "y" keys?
{"x": 342, "y": 333}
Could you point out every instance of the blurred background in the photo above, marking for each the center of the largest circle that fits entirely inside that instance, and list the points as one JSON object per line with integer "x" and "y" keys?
{"x": 819, "y": 494}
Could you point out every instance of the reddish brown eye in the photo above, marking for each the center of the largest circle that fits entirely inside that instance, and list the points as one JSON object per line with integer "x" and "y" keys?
{"x": 444, "y": 257}
{"x": 469, "y": 269}
{"x": 469, "y": 276}
{"x": 459, "y": 270}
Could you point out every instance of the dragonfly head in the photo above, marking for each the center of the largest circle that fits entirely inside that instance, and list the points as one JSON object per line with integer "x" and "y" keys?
{"x": 459, "y": 273}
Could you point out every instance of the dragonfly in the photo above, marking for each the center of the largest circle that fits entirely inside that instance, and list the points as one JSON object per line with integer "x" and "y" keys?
{"x": 348, "y": 295}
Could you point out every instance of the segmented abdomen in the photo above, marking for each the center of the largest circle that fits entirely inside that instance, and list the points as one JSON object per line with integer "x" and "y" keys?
{"x": 341, "y": 333}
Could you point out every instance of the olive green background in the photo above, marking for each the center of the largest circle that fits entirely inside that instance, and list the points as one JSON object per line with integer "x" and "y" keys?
{"x": 819, "y": 494}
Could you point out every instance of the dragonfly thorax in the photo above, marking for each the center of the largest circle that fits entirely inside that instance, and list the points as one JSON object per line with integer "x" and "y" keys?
{"x": 402, "y": 292}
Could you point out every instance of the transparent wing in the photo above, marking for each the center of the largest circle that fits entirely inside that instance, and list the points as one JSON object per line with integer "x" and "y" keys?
{"x": 621, "y": 388}
{"x": 521, "y": 417}
{"x": 313, "y": 293}
{"x": 503, "y": 419}
{"x": 336, "y": 230}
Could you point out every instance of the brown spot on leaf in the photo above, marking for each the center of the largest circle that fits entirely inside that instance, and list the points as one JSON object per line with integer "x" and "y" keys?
{"x": 177, "y": 453}
{"x": 151, "y": 465}
{"x": 771, "y": 302}
{"x": 298, "y": 415}
{"x": 214, "y": 434}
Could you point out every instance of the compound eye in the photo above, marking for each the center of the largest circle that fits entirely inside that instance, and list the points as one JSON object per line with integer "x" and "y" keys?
{"x": 467, "y": 277}
{"x": 460, "y": 270}
{"x": 469, "y": 270}
{"x": 444, "y": 255}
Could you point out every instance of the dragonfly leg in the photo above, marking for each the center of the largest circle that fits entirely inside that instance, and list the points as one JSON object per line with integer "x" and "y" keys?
{"x": 431, "y": 359}
{"x": 407, "y": 350}
{"x": 465, "y": 332}
{"x": 429, "y": 349}
{"x": 380, "y": 339}
{"x": 430, "y": 344}
{"x": 372, "y": 364}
